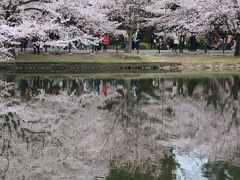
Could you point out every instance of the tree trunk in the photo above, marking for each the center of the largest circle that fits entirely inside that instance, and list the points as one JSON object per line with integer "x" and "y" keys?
{"x": 130, "y": 40}
{"x": 237, "y": 48}
{"x": 70, "y": 48}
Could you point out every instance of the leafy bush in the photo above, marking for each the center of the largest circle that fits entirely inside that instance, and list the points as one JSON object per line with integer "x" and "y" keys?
{"x": 202, "y": 42}
{"x": 144, "y": 46}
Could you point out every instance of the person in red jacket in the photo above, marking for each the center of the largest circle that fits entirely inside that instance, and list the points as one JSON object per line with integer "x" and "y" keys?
{"x": 105, "y": 42}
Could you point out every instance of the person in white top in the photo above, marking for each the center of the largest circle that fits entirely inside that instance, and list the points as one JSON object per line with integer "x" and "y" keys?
{"x": 175, "y": 42}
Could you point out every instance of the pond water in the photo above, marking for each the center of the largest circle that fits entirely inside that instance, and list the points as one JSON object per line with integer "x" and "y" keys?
{"x": 119, "y": 129}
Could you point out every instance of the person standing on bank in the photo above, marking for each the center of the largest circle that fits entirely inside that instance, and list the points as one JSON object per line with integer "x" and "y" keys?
{"x": 134, "y": 40}
{"x": 125, "y": 37}
{"x": 36, "y": 45}
{"x": 182, "y": 43}
{"x": 98, "y": 35}
{"x": 175, "y": 43}
{"x": 193, "y": 42}
{"x": 153, "y": 40}
{"x": 105, "y": 42}
{"x": 139, "y": 37}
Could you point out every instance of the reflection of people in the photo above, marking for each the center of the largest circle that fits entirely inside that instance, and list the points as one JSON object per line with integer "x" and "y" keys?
{"x": 134, "y": 88}
{"x": 134, "y": 93}
{"x": 96, "y": 87}
{"x": 85, "y": 90}
{"x": 125, "y": 91}
{"x": 28, "y": 93}
{"x": 104, "y": 89}
{"x": 226, "y": 85}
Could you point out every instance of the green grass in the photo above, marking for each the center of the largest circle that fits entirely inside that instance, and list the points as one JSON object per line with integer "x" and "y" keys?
{"x": 197, "y": 59}
{"x": 92, "y": 58}
{"x": 130, "y": 58}
{"x": 209, "y": 59}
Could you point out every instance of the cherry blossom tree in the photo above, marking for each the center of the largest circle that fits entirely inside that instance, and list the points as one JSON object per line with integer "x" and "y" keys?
{"x": 129, "y": 13}
{"x": 71, "y": 19}
{"x": 197, "y": 16}
{"x": 224, "y": 13}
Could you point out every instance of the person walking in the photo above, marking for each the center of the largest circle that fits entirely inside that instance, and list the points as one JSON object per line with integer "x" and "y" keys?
{"x": 182, "y": 43}
{"x": 229, "y": 41}
{"x": 193, "y": 42}
{"x": 105, "y": 42}
{"x": 217, "y": 40}
{"x": 198, "y": 41}
{"x": 139, "y": 38}
{"x": 175, "y": 43}
{"x": 98, "y": 35}
{"x": 153, "y": 40}
{"x": 36, "y": 45}
{"x": 134, "y": 40}
{"x": 125, "y": 36}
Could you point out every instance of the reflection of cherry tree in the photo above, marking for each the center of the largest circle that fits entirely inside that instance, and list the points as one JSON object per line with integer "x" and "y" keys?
{"x": 207, "y": 127}
{"x": 78, "y": 135}
{"x": 233, "y": 94}
{"x": 93, "y": 132}
{"x": 12, "y": 130}
{"x": 136, "y": 148}
{"x": 166, "y": 170}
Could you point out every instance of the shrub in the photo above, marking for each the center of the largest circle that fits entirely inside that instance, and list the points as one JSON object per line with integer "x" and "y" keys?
{"x": 144, "y": 46}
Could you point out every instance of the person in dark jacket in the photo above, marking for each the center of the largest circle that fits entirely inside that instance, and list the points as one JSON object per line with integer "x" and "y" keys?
{"x": 36, "y": 45}
{"x": 193, "y": 42}
{"x": 153, "y": 41}
{"x": 138, "y": 40}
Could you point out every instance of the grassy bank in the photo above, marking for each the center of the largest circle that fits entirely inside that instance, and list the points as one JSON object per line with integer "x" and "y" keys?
{"x": 92, "y": 58}
{"x": 131, "y": 58}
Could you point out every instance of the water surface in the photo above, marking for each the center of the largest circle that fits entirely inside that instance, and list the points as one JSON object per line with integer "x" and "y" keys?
{"x": 126, "y": 129}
